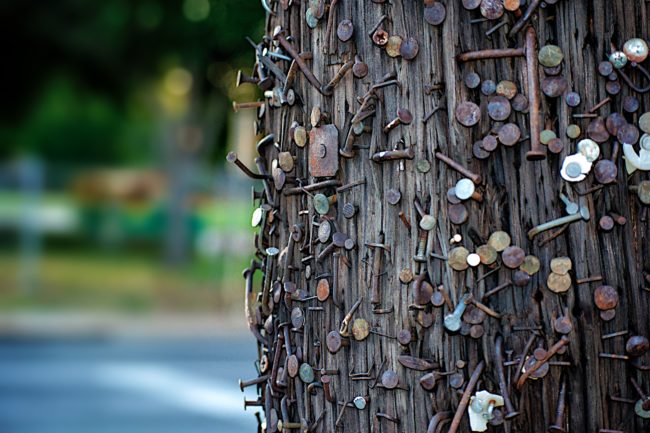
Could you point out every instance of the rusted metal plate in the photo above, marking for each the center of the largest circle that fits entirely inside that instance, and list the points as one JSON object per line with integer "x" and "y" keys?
{"x": 323, "y": 151}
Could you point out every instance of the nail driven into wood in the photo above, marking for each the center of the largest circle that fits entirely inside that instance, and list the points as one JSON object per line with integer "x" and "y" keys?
{"x": 329, "y": 87}
{"x": 497, "y": 289}
{"x": 459, "y": 168}
{"x": 464, "y": 401}
{"x": 537, "y": 151}
{"x": 582, "y": 214}
{"x": 392, "y": 155}
{"x": 503, "y": 387}
{"x": 232, "y": 158}
{"x": 558, "y": 425}
{"x": 524, "y": 18}
{"x": 589, "y": 279}
{"x": 289, "y": 48}
{"x": 549, "y": 353}
{"x": 236, "y": 106}
{"x": 614, "y": 334}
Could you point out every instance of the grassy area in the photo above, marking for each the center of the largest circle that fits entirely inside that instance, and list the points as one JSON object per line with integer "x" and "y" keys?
{"x": 128, "y": 282}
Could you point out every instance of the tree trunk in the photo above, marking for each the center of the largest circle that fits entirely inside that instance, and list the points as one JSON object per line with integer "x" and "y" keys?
{"x": 517, "y": 194}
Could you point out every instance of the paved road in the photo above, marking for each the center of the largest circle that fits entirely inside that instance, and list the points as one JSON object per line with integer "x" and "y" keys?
{"x": 122, "y": 385}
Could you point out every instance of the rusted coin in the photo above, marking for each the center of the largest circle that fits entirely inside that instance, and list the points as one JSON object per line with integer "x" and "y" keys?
{"x": 597, "y": 130}
{"x": 509, "y": 134}
{"x": 513, "y": 256}
{"x": 550, "y": 56}
{"x": 555, "y": 70}
{"x": 561, "y": 265}
{"x": 605, "y": 68}
{"x": 492, "y": 9}
{"x": 498, "y": 108}
{"x": 644, "y": 122}
{"x": 360, "y": 329}
{"x": 558, "y": 283}
{"x": 573, "y": 131}
{"x": 512, "y": 5}
{"x": 605, "y": 297}
{"x": 471, "y": 4}
{"x": 554, "y": 87}
{"x": 323, "y": 289}
{"x": 572, "y": 99}
{"x": 530, "y": 265}
{"x": 406, "y": 275}
{"x": 468, "y": 113}
{"x": 555, "y": 146}
{"x": 499, "y": 240}
{"x": 520, "y": 103}
{"x": 285, "y": 161}
{"x": 458, "y": 214}
{"x": 472, "y": 80}
{"x": 478, "y": 151}
{"x": 488, "y": 87}
{"x": 435, "y": 13}
{"x": 563, "y": 325}
{"x": 614, "y": 122}
{"x": 487, "y": 253}
{"x": 613, "y": 87}
{"x": 630, "y": 104}
{"x": 628, "y": 134}
{"x": 345, "y": 30}
{"x": 458, "y": 258}
{"x": 473, "y": 315}
{"x": 409, "y": 48}
{"x": 292, "y": 365}
{"x": 452, "y": 198}
{"x": 506, "y": 88}
{"x": 489, "y": 143}
{"x": 606, "y": 223}
{"x": 637, "y": 345}
{"x": 404, "y": 337}
{"x": 476, "y": 331}
{"x": 393, "y": 196}
{"x": 393, "y": 46}
{"x": 546, "y": 136}
{"x": 520, "y": 279}
{"x": 539, "y": 353}
{"x": 607, "y": 315}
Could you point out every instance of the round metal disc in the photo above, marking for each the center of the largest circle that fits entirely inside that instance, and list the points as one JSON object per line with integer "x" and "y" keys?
{"x": 509, "y": 134}
{"x": 393, "y": 196}
{"x": 464, "y": 188}
{"x": 605, "y": 297}
{"x": 468, "y": 113}
{"x": 506, "y": 88}
{"x": 561, "y": 265}
{"x": 393, "y": 46}
{"x": 607, "y": 315}
{"x": 473, "y": 315}
{"x": 458, "y": 214}
{"x": 644, "y": 122}
{"x": 499, "y": 240}
{"x": 306, "y": 373}
{"x": 550, "y": 56}
{"x": 489, "y": 143}
{"x": 597, "y": 130}
{"x": 478, "y": 151}
{"x": 499, "y": 108}
{"x": 324, "y": 231}
{"x": 513, "y": 257}
{"x": 487, "y": 254}
{"x": 558, "y": 283}
{"x": 321, "y": 204}
{"x": 554, "y": 87}
{"x": 345, "y": 30}
{"x": 628, "y": 134}
{"x": 435, "y": 14}
{"x": 409, "y": 48}
{"x": 390, "y": 379}
{"x": 471, "y": 4}
{"x": 605, "y": 68}
{"x": 458, "y": 258}
{"x": 520, "y": 278}
{"x": 530, "y": 265}
{"x": 360, "y": 329}
{"x": 406, "y": 275}
{"x": 555, "y": 146}
{"x": 572, "y": 99}
{"x": 492, "y": 9}
{"x": 472, "y": 80}
{"x": 563, "y": 325}
{"x": 428, "y": 222}
{"x": 520, "y": 103}
{"x": 630, "y": 104}
{"x": 613, "y": 87}
{"x": 323, "y": 289}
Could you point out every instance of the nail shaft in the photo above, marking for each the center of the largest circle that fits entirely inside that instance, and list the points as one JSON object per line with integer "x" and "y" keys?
{"x": 464, "y": 401}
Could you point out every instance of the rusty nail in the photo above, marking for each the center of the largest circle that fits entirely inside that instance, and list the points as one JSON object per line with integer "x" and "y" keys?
{"x": 589, "y": 279}
{"x": 391, "y": 155}
{"x": 405, "y": 220}
{"x": 350, "y": 185}
{"x": 289, "y": 48}
{"x": 459, "y": 168}
{"x": 387, "y": 417}
{"x": 464, "y": 401}
{"x": 236, "y": 106}
{"x": 558, "y": 425}
{"x": 429, "y": 115}
{"x": 327, "y": 391}
{"x": 582, "y": 214}
{"x": 549, "y": 353}
{"x": 376, "y": 26}
{"x": 329, "y": 87}
{"x": 503, "y": 387}
{"x": 404, "y": 116}
{"x": 248, "y": 403}
{"x": 243, "y": 78}
{"x": 522, "y": 358}
{"x": 246, "y": 383}
{"x": 496, "y": 289}
{"x": 614, "y": 334}
{"x": 537, "y": 151}
{"x": 232, "y": 158}
{"x": 600, "y": 104}
{"x": 523, "y": 19}
{"x": 496, "y": 27}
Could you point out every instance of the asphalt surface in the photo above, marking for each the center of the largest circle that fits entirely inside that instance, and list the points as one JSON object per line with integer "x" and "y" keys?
{"x": 125, "y": 385}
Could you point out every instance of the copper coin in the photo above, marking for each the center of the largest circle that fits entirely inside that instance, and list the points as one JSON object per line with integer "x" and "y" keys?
{"x": 468, "y": 113}
{"x": 360, "y": 329}
{"x": 345, "y": 30}
{"x": 473, "y": 315}
{"x": 452, "y": 198}
{"x": 389, "y": 379}
{"x": 520, "y": 278}
{"x": 437, "y": 299}
{"x": 520, "y": 103}
{"x": 488, "y": 87}
{"x": 476, "y": 331}
{"x": 561, "y": 265}
{"x": 613, "y": 87}
{"x": 349, "y": 210}
{"x": 628, "y": 134}
{"x": 606, "y": 223}
{"x": 458, "y": 258}
{"x": 498, "y": 108}
{"x": 471, "y": 4}
{"x": 563, "y": 325}
{"x": 323, "y": 289}
{"x": 393, "y": 45}
{"x": 614, "y": 122}
{"x": 472, "y": 80}
{"x": 492, "y": 9}
{"x": 607, "y": 315}
{"x": 409, "y": 48}
{"x": 406, "y": 275}
{"x": 513, "y": 257}
{"x": 605, "y": 297}
{"x": 530, "y": 265}
{"x": 555, "y": 70}
{"x": 509, "y": 134}
{"x": 487, "y": 253}
{"x": 393, "y": 196}
{"x": 597, "y": 130}
{"x": 499, "y": 240}
{"x": 605, "y": 171}
{"x": 478, "y": 151}
{"x": 489, "y": 143}
{"x": 572, "y": 99}
{"x": 637, "y": 345}
{"x": 605, "y": 68}
{"x": 558, "y": 283}
{"x": 506, "y": 88}
{"x": 555, "y": 146}
{"x": 458, "y": 214}
{"x": 404, "y": 337}
{"x": 554, "y": 86}
{"x": 435, "y": 13}
{"x": 630, "y": 104}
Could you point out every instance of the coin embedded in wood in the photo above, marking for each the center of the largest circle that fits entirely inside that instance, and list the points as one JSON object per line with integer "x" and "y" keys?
{"x": 427, "y": 222}
{"x": 607, "y": 315}
{"x": 423, "y": 165}
{"x": 563, "y": 325}
{"x": 561, "y": 265}
{"x": 509, "y": 134}
{"x": 300, "y": 136}
{"x": 292, "y": 365}
{"x": 435, "y": 13}
{"x": 468, "y": 113}
{"x": 406, "y": 275}
{"x": 605, "y": 297}
{"x": 513, "y": 257}
{"x": 519, "y": 103}
{"x": 628, "y": 134}
{"x": 471, "y": 4}
{"x": 555, "y": 70}
{"x": 285, "y": 160}
{"x": 345, "y": 30}
{"x": 572, "y": 99}
{"x": 458, "y": 258}
{"x": 637, "y": 345}
{"x": 489, "y": 143}
{"x": 605, "y": 68}
{"x": 613, "y": 87}
{"x": 546, "y": 136}
{"x": 360, "y": 329}
{"x": 476, "y": 331}
{"x": 558, "y": 283}
{"x": 452, "y": 198}
{"x": 555, "y": 146}
{"x": 474, "y": 315}
{"x": 498, "y": 108}
{"x": 630, "y": 104}
{"x": 644, "y": 122}
{"x": 478, "y": 151}
{"x": 499, "y": 240}
{"x": 573, "y": 131}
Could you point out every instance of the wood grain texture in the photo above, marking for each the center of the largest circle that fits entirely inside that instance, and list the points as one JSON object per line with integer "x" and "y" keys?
{"x": 518, "y": 194}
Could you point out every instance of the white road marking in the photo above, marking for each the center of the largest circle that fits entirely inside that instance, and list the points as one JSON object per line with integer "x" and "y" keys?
{"x": 178, "y": 389}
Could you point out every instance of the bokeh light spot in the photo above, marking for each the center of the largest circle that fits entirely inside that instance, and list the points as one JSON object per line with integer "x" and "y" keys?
{"x": 178, "y": 81}
{"x": 196, "y": 10}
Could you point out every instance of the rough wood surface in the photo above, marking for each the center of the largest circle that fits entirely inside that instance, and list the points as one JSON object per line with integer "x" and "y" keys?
{"x": 518, "y": 194}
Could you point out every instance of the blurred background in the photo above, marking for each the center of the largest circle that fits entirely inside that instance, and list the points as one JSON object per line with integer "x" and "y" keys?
{"x": 122, "y": 232}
